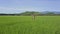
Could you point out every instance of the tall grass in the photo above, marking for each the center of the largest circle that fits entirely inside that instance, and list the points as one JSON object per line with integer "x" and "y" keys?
{"x": 25, "y": 25}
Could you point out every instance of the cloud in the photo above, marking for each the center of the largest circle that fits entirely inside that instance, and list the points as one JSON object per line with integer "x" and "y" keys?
{"x": 24, "y": 9}
{"x": 15, "y": 10}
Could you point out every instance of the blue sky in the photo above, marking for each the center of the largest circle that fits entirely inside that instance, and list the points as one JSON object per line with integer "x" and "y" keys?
{"x": 17, "y": 6}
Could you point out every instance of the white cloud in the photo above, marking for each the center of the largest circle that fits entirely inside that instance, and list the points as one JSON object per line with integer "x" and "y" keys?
{"x": 15, "y": 10}
{"x": 24, "y": 9}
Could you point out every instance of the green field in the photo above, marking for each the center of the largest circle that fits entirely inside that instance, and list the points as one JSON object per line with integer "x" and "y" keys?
{"x": 25, "y": 25}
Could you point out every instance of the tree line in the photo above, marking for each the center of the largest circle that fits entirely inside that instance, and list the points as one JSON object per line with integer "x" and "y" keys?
{"x": 29, "y": 13}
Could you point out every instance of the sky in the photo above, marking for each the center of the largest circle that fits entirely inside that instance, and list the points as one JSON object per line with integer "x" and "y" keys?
{"x": 18, "y": 6}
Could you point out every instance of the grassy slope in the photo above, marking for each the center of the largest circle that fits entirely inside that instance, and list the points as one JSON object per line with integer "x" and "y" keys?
{"x": 25, "y": 25}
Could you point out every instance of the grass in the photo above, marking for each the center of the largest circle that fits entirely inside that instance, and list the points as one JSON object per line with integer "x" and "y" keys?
{"x": 25, "y": 25}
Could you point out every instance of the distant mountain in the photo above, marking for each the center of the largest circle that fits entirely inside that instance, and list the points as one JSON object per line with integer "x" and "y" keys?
{"x": 56, "y": 12}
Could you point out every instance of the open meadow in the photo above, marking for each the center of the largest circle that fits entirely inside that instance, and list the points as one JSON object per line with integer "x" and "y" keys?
{"x": 25, "y": 25}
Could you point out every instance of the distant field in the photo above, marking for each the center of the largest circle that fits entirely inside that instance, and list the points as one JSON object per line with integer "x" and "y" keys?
{"x": 25, "y": 25}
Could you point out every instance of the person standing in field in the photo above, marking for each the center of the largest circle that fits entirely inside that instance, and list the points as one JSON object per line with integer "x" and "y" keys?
{"x": 33, "y": 16}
